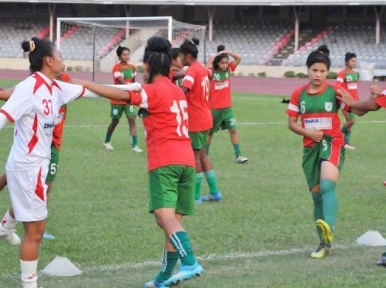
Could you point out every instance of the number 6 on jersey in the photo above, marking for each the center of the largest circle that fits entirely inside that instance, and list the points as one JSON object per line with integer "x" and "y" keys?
{"x": 179, "y": 108}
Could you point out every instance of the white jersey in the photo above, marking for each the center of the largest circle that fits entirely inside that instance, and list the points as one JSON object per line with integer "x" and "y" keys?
{"x": 34, "y": 107}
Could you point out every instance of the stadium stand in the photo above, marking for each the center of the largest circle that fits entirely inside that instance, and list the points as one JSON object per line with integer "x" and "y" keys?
{"x": 342, "y": 39}
{"x": 14, "y": 31}
{"x": 254, "y": 40}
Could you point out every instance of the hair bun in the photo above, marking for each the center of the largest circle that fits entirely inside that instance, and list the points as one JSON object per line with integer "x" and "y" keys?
{"x": 323, "y": 49}
{"x": 29, "y": 46}
{"x": 220, "y": 48}
{"x": 195, "y": 41}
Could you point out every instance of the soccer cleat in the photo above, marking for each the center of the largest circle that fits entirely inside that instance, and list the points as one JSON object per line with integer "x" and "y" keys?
{"x": 137, "y": 149}
{"x": 48, "y": 236}
{"x": 9, "y": 235}
{"x": 241, "y": 159}
{"x": 185, "y": 273}
{"x": 321, "y": 251}
{"x": 212, "y": 197}
{"x": 154, "y": 284}
{"x": 382, "y": 261}
{"x": 198, "y": 201}
{"x": 326, "y": 231}
{"x": 108, "y": 146}
{"x": 349, "y": 147}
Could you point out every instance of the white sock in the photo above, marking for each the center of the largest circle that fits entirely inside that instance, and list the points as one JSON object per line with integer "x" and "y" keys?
{"x": 29, "y": 275}
{"x": 8, "y": 221}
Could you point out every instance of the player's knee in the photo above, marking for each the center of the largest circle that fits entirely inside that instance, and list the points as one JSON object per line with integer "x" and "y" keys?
{"x": 131, "y": 120}
{"x": 34, "y": 232}
{"x": 232, "y": 131}
{"x": 327, "y": 185}
{"x": 163, "y": 219}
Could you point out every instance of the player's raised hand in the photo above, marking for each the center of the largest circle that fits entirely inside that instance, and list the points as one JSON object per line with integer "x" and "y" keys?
{"x": 315, "y": 135}
{"x": 345, "y": 97}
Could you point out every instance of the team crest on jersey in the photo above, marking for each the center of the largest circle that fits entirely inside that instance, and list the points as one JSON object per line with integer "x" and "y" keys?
{"x": 328, "y": 106}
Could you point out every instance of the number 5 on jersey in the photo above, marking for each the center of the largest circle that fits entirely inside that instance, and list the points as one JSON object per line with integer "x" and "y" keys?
{"x": 179, "y": 108}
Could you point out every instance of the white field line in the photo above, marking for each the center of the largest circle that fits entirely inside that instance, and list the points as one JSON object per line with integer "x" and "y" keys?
{"x": 240, "y": 123}
{"x": 204, "y": 258}
{"x": 214, "y": 257}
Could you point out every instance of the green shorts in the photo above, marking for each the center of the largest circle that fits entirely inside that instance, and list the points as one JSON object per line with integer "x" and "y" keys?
{"x": 199, "y": 139}
{"x": 172, "y": 187}
{"x": 54, "y": 164}
{"x": 223, "y": 119}
{"x": 117, "y": 110}
{"x": 328, "y": 149}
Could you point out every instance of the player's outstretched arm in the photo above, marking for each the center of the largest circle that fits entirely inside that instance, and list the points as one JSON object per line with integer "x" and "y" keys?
{"x": 358, "y": 107}
{"x": 105, "y": 91}
{"x": 6, "y": 93}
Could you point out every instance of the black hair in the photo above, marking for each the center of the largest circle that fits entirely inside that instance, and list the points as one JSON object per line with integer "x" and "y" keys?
{"x": 120, "y": 50}
{"x": 320, "y": 55}
{"x": 38, "y": 49}
{"x": 219, "y": 57}
{"x": 174, "y": 52}
{"x": 349, "y": 56}
{"x": 220, "y": 48}
{"x": 155, "y": 44}
{"x": 157, "y": 57}
{"x": 190, "y": 47}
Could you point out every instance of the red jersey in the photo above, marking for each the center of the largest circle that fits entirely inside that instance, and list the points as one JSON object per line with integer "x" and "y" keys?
{"x": 220, "y": 88}
{"x": 349, "y": 81}
{"x": 381, "y": 99}
{"x": 126, "y": 73}
{"x": 197, "y": 81}
{"x": 166, "y": 123}
{"x": 57, "y": 134}
{"x": 317, "y": 111}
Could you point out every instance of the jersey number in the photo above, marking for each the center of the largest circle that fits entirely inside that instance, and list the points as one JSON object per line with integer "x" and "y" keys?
{"x": 205, "y": 87}
{"x": 302, "y": 107}
{"x": 47, "y": 106}
{"x": 179, "y": 108}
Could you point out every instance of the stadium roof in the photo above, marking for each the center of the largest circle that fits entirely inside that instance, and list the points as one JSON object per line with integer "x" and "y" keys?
{"x": 213, "y": 3}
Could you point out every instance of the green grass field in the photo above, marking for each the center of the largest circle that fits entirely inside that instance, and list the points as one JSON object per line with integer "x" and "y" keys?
{"x": 260, "y": 235}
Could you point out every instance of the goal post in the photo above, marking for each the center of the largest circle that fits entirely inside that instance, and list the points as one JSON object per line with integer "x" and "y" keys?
{"x": 92, "y": 41}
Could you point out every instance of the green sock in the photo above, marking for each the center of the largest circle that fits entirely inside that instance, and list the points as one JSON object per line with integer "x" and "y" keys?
{"x": 236, "y": 147}
{"x": 347, "y": 134}
{"x": 318, "y": 210}
{"x": 212, "y": 182}
{"x": 207, "y": 146}
{"x": 197, "y": 193}
{"x": 330, "y": 201}
{"x": 347, "y": 137}
{"x": 169, "y": 261}
{"x": 108, "y": 137}
{"x": 134, "y": 141}
{"x": 180, "y": 242}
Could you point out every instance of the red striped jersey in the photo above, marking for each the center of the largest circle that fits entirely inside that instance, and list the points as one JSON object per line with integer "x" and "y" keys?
{"x": 34, "y": 107}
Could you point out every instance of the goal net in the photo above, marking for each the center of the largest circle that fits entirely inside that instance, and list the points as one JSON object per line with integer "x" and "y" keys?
{"x": 91, "y": 42}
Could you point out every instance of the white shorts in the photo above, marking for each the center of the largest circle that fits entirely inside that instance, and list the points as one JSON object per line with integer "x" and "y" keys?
{"x": 28, "y": 192}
